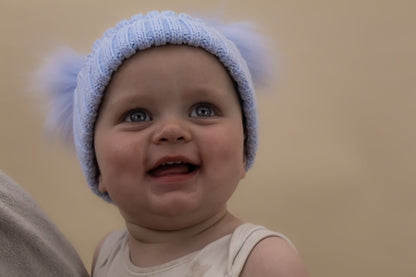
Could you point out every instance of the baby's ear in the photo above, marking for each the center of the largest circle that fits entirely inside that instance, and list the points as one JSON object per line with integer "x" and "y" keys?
{"x": 243, "y": 172}
{"x": 101, "y": 186}
{"x": 244, "y": 167}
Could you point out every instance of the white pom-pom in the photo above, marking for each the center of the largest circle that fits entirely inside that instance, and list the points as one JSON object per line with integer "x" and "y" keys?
{"x": 253, "y": 46}
{"x": 58, "y": 79}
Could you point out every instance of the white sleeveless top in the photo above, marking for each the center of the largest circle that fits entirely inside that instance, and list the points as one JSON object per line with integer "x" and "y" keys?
{"x": 223, "y": 257}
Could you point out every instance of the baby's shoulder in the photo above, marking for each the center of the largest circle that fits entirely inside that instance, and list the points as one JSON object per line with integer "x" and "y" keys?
{"x": 274, "y": 256}
{"x": 109, "y": 243}
{"x": 262, "y": 252}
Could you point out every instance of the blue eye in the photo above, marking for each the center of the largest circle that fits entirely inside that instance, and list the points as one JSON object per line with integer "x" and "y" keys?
{"x": 137, "y": 115}
{"x": 202, "y": 110}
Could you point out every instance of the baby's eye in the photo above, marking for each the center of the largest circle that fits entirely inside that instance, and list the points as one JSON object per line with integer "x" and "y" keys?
{"x": 202, "y": 110}
{"x": 137, "y": 115}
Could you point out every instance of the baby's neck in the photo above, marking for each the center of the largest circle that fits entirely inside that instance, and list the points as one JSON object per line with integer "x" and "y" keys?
{"x": 154, "y": 247}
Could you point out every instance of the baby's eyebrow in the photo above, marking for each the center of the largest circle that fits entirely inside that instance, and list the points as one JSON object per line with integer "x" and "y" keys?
{"x": 123, "y": 97}
{"x": 206, "y": 91}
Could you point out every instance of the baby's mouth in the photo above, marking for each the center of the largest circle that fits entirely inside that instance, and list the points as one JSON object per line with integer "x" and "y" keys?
{"x": 172, "y": 168}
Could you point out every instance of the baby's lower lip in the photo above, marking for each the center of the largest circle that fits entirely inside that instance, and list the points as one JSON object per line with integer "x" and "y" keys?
{"x": 175, "y": 169}
{"x": 175, "y": 175}
{"x": 172, "y": 169}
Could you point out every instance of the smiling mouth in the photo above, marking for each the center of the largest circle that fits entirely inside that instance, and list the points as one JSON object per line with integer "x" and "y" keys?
{"x": 173, "y": 168}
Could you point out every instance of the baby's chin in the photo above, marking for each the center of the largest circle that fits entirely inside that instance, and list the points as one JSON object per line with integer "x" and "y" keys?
{"x": 172, "y": 221}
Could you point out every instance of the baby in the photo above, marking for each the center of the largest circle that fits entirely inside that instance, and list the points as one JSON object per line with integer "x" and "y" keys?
{"x": 164, "y": 122}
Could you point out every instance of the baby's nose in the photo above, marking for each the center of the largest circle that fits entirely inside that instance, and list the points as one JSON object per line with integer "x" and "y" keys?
{"x": 172, "y": 133}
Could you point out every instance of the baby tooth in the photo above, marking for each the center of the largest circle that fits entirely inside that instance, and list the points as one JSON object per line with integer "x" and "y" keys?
{"x": 172, "y": 163}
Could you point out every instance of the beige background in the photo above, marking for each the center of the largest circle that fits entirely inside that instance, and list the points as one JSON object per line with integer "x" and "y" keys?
{"x": 336, "y": 165}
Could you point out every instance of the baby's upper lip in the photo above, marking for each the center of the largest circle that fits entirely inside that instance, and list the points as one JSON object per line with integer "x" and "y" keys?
{"x": 177, "y": 159}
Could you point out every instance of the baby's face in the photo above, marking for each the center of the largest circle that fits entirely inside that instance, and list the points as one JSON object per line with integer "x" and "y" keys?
{"x": 169, "y": 138}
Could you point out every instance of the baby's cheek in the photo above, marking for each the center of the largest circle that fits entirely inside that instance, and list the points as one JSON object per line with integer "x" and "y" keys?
{"x": 127, "y": 155}
{"x": 116, "y": 153}
{"x": 227, "y": 147}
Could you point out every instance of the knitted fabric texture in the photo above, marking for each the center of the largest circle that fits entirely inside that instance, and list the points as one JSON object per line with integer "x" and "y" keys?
{"x": 151, "y": 30}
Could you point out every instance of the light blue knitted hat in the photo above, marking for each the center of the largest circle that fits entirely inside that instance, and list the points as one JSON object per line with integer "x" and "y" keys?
{"x": 77, "y": 84}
